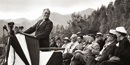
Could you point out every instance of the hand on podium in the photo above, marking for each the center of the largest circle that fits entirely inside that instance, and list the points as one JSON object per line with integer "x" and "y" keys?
{"x": 29, "y": 35}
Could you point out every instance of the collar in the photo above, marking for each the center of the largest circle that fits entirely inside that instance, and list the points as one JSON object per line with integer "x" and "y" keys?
{"x": 122, "y": 38}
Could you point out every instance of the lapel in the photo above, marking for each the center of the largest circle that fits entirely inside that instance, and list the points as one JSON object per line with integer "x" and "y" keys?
{"x": 38, "y": 24}
{"x": 109, "y": 46}
{"x": 43, "y": 24}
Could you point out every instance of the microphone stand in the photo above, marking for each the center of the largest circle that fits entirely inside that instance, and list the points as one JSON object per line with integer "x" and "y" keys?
{"x": 10, "y": 25}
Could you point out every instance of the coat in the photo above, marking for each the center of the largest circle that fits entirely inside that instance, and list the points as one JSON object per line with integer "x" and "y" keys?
{"x": 101, "y": 43}
{"x": 123, "y": 51}
{"x": 92, "y": 49}
{"x": 109, "y": 50}
{"x": 80, "y": 46}
{"x": 41, "y": 32}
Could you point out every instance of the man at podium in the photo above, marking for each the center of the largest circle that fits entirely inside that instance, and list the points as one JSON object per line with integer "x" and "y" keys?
{"x": 42, "y": 29}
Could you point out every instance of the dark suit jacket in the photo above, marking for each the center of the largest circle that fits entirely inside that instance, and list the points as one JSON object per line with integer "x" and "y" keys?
{"x": 42, "y": 32}
{"x": 108, "y": 51}
{"x": 123, "y": 51}
{"x": 105, "y": 55}
{"x": 101, "y": 43}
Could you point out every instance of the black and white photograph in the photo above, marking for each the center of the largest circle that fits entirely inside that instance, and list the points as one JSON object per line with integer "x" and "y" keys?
{"x": 65, "y": 32}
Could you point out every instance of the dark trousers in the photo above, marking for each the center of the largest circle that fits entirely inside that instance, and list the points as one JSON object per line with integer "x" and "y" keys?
{"x": 111, "y": 63}
{"x": 79, "y": 59}
{"x": 91, "y": 61}
{"x": 67, "y": 58}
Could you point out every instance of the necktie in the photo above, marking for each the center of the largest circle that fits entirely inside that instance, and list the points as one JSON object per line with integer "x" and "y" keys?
{"x": 71, "y": 45}
{"x": 40, "y": 23}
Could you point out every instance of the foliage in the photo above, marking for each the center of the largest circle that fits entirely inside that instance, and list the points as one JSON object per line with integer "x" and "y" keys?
{"x": 104, "y": 18}
{"x": 0, "y": 40}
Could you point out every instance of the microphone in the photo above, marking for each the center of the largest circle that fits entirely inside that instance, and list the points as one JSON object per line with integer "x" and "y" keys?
{"x": 5, "y": 27}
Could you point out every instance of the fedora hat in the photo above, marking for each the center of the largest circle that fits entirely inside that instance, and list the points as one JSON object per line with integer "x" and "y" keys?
{"x": 73, "y": 35}
{"x": 99, "y": 34}
{"x": 121, "y": 30}
{"x": 112, "y": 32}
{"x": 66, "y": 38}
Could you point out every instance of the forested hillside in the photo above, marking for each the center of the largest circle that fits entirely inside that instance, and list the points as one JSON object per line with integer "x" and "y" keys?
{"x": 104, "y": 18}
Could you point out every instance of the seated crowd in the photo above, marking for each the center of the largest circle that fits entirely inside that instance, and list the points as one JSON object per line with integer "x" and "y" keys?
{"x": 93, "y": 49}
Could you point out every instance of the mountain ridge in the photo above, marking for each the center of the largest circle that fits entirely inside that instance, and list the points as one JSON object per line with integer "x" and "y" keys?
{"x": 56, "y": 18}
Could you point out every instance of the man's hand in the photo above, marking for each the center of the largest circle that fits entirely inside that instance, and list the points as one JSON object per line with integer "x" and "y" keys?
{"x": 78, "y": 51}
{"x": 35, "y": 36}
{"x": 51, "y": 44}
{"x": 114, "y": 58}
{"x": 97, "y": 58}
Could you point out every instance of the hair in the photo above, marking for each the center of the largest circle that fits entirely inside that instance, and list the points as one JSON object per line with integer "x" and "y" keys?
{"x": 21, "y": 27}
{"x": 16, "y": 27}
{"x": 113, "y": 35}
{"x": 58, "y": 39}
{"x": 53, "y": 38}
{"x": 122, "y": 34}
{"x": 80, "y": 37}
{"x": 92, "y": 35}
{"x": 67, "y": 40}
{"x": 46, "y": 9}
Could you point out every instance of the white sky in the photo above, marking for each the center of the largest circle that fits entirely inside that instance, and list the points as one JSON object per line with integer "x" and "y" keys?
{"x": 32, "y": 9}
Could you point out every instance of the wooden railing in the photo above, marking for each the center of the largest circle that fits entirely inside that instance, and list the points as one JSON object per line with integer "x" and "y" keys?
{"x": 52, "y": 48}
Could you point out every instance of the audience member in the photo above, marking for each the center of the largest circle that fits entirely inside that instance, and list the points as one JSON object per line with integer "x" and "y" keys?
{"x": 52, "y": 42}
{"x": 59, "y": 43}
{"x": 68, "y": 53}
{"x": 66, "y": 41}
{"x": 16, "y": 29}
{"x": 21, "y": 28}
{"x": 91, "y": 49}
{"x": 81, "y": 43}
{"x": 121, "y": 54}
{"x": 99, "y": 39}
{"x": 107, "y": 51}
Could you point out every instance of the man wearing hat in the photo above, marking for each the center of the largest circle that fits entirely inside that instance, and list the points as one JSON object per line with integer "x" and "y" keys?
{"x": 99, "y": 39}
{"x": 79, "y": 34}
{"x": 108, "y": 50}
{"x": 90, "y": 49}
{"x": 68, "y": 53}
{"x": 66, "y": 41}
{"x": 122, "y": 51}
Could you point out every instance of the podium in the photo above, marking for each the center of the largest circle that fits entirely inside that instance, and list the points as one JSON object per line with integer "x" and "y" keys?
{"x": 23, "y": 49}
{"x": 52, "y": 57}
